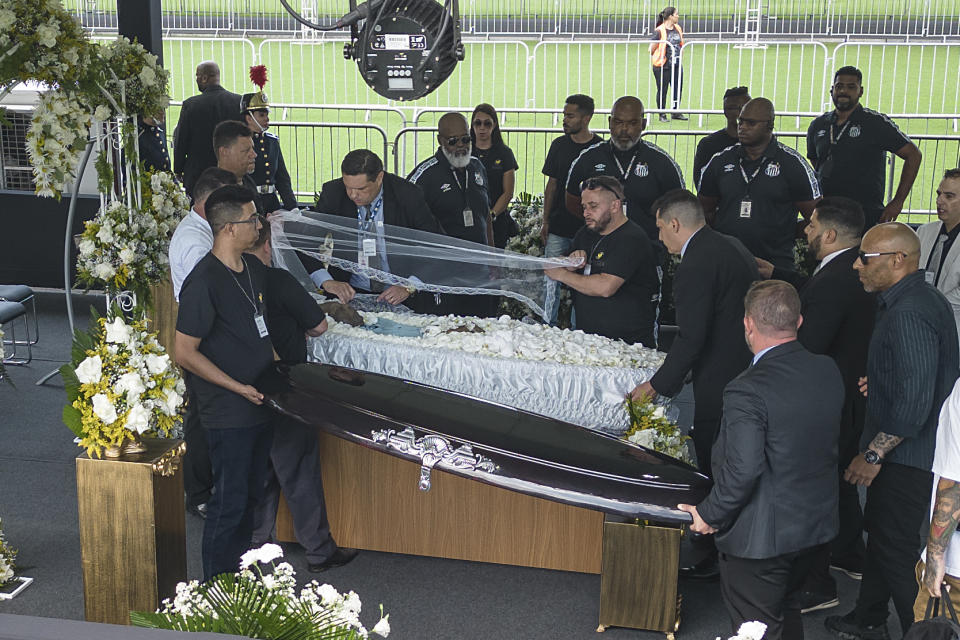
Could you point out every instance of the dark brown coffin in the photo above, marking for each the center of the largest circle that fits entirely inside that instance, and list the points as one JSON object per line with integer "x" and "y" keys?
{"x": 491, "y": 443}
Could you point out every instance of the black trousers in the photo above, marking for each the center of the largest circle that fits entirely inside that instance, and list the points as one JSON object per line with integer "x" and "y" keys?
{"x": 239, "y": 458}
{"x": 197, "y": 472}
{"x": 295, "y": 468}
{"x": 766, "y": 590}
{"x": 703, "y": 435}
{"x": 895, "y": 515}
{"x": 665, "y": 77}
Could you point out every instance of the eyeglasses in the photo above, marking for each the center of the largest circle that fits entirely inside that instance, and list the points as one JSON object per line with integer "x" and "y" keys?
{"x": 452, "y": 142}
{"x": 751, "y": 122}
{"x": 253, "y": 220}
{"x": 594, "y": 183}
{"x": 865, "y": 257}
{"x": 483, "y": 123}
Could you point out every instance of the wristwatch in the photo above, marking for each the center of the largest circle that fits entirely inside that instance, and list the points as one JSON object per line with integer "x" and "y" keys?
{"x": 872, "y": 457}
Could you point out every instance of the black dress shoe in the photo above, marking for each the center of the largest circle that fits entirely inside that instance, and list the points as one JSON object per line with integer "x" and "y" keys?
{"x": 679, "y": 116}
{"x": 664, "y": 118}
{"x": 810, "y": 601}
{"x": 199, "y": 510}
{"x": 846, "y": 628}
{"x": 340, "y": 557}
{"x": 706, "y": 569}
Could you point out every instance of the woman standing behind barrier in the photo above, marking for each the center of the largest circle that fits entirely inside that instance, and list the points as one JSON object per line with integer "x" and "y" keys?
{"x": 665, "y": 57}
{"x": 501, "y": 166}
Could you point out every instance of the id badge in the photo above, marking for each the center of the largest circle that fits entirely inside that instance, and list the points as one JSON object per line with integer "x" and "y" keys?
{"x": 467, "y": 218}
{"x": 745, "y": 207}
{"x": 586, "y": 270}
{"x": 369, "y": 247}
{"x": 261, "y": 325}
{"x": 362, "y": 259}
{"x": 929, "y": 276}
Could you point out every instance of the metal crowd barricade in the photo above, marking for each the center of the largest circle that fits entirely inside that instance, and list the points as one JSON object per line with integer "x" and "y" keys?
{"x": 312, "y": 151}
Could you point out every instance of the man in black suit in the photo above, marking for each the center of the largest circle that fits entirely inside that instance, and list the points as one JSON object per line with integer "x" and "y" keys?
{"x": 192, "y": 139}
{"x": 774, "y": 497}
{"x": 837, "y": 321}
{"x": 373, "y": 197}
{"x": 713, "y": 277}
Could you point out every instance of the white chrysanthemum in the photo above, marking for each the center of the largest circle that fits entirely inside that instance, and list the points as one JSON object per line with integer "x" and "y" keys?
{"x": 127, "y": 255}
{"x": 90, "y": 370}
{"x": 104, "y": 409}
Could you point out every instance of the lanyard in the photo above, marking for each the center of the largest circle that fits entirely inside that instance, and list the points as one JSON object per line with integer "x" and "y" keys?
{"x": 843, "y": 130}
{"x": 256, "y": 309}
{"x": 372, "y": 210}
{"x": 624, "y": 174}
{"x": 747, "y": 181}
{"x": 466, "y": 178}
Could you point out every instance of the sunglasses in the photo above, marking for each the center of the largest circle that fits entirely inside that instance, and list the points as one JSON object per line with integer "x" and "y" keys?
{"x": 594, "y": 183}
{"x": 452, "y": 142}
{"x": 483, "y": 123}
{"x": 865, "y": 257}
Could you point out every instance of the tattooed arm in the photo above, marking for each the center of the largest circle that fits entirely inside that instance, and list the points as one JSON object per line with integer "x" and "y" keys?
{"x": 863, "y": 473}
{"x": 884, "y": 444}
{"x": 946, "y": 513}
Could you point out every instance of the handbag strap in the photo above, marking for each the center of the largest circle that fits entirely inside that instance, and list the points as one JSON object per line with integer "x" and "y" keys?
{"x": 932, "y": 608}
{"x": 948, "y": 606}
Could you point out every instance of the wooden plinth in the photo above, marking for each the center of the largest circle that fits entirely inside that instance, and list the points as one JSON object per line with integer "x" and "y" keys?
{"x": 638, "y": 586}
{"x": 132, "y": 539}
{"x": 163, "y": 314}
{"x": 373, "y": 503}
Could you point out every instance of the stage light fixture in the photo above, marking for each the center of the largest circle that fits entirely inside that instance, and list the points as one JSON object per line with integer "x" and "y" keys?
{"x": 404, "y": 48}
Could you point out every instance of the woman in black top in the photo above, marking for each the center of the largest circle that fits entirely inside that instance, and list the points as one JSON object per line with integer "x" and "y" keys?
{"x": 501, "y": 166}
{"x": 665, "y": 58}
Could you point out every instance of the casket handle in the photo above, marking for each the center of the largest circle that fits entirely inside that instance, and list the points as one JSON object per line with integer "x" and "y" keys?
{"x": 432, "y": 450}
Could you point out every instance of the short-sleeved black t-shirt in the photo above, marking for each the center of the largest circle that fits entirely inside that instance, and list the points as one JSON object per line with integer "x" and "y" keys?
{"x": 290, "y": 312}
{"x": 646, "y": 172}
{"x": 496, "y": 160}
{"x": 778, "y": 180}
{"x": 217, "y": 306}
{"x": 850, "y": 159}
{"x": 443, "y": 189}
{"x": 630, "y": 313}
{"x": 563, "y": 151}
{"x": 709, "y": 147}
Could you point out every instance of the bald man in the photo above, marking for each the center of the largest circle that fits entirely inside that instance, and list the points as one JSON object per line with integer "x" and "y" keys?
{"x": 645, "y": 170}
{"x": 754, "y": 189}
{"x": 199, "y": 116}
{"x": 912, "y": 366}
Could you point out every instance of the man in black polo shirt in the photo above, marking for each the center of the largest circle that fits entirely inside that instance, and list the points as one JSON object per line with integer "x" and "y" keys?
{"x": 733, "y": 101}
{"x": 294, "y": 466}
{"x": 645, "y": 170}
{"x": 848, "y": 147}
{"x": 559, "y": 224}
{"x": 223, "y": 343}
{"x": 753, "y": 190}
{"x": 912, "y": 365}
{"x": 233, "y": 144}
{"x": 455, "y": 183}
{"x": 616, "y": 286}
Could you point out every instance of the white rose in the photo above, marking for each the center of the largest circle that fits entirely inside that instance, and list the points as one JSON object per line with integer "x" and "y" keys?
{"x": 90, "y": 370}
{"x": 104, "y": 409}
{"x": 87, "y": 247}
{"x": 171, "y": 403}
{"x": 105, "y": 234}
{"x": 47, "y": 34}
{"x": 147, "y": 76}
{"x": 138, "y": 419}
{"x": 6, "y": 570}
{"x": 127, "y": 255}
{"x": 382, "y": 628}
{"x": 130, "y": 384}
{"x": 117, "y": 331}
{"x": 102, "y": 113}
{"x": 157, "y": 364}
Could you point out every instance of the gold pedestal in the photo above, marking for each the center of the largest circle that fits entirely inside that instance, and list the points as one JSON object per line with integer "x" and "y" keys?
{"x": 163, "y": 314}
{"x": 132, "y": 539}
{"x": 638, "y": 586}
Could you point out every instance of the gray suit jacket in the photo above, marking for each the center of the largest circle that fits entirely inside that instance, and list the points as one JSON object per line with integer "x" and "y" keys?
{"x": 775, "y": 457}
{"x": 949, "y": 284}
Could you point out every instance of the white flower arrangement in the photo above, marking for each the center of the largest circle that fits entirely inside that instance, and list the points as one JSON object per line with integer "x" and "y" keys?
{"x": 505, "y": 337}
{"x": 264, "y": 601}
{"x": 8, "y": 556}
{"x": 55, "y": 141}
{"x": 42, "y": 41}
{"x": 123, "y": 248}
{"x": 120, "y": 386}
{"x": 651, "y": 428}
{"x": 749, "y": 631}
{"x": 129, "y": 81}
{"x": 527, "y": 210}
